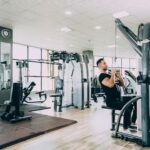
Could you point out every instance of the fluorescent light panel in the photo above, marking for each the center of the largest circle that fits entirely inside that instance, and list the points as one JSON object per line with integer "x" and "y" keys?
{"x": 118, "y": 37}
{"x": 111, "y": 46}
{"x": 65, "y": 29}
{"x": 98, "y": 27}
{"x": 68, "y": 13}
{"x": 48, "y": 39}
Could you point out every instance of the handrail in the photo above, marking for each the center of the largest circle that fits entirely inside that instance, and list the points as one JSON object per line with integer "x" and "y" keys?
{"x": 122, "y": 111}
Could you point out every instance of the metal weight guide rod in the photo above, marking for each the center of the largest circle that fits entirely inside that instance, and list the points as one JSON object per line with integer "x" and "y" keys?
{"x": 141, "y": 44}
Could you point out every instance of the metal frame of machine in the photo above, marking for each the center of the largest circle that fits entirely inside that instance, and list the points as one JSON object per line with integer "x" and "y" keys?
{"x": 141, "y": 44}
{"x": 73, "y": 57}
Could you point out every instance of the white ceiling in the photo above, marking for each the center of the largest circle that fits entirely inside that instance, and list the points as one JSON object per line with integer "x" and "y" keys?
{"x": 38, "y": 22}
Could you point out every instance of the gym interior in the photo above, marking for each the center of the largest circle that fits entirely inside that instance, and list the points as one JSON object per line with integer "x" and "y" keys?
{"x": 74, "y": 74}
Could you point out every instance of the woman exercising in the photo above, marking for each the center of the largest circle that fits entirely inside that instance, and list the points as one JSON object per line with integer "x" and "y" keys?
{"x": 112, "y": 90}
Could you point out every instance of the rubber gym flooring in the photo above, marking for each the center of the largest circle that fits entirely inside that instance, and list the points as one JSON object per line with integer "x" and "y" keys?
{"x": 13, "y": 133}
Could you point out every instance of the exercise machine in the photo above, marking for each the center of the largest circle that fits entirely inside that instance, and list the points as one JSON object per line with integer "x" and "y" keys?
{"x": 26, "y": 91}
{"x": 16, "y": 98}
{"x": 81, "y": 82}
{"x": 75, "y": 78}
{"x": 115, "y": 112}
{"x": 58, "y": 95}
{"x": 141, "y": 44}
{"x": 96, "y": 90}
{"x": 130, "y": 83}
{"x": 15, "y": 115}
{"x": 127, "y": 94}
{"x": 10, "y": 92}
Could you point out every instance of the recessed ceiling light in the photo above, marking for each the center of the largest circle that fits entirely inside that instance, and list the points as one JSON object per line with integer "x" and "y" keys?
{"x": 98, "y": 27}
{"x": 111, "y": 46}
{"x": 120, "y": 14}
{"x": 118, "y": 37}
{"x": 68, "y": 13}
{"x": 48, "y": 39}
{"x": 65, "y": 29}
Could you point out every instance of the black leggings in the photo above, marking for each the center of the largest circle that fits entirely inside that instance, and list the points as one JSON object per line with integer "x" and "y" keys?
{"x": 118, "y": 105}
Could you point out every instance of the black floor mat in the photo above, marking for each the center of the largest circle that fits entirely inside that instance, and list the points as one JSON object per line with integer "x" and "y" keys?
{"x": 27, "y": 107}
{"x": 13, "y": 133}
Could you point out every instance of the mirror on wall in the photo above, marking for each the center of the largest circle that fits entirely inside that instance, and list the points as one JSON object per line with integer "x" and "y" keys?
{"x": 5, "y": 64}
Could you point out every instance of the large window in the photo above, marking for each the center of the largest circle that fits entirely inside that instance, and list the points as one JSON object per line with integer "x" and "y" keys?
{"x": 47, "y": 84}
{"x": 38, "y": 69}
{"x": 37, "y": 82}
{"x": 133, "y": 63}
{"x": 125, "y": 63}
{"x": 45, "y": 54}
{"x": 109, "y": 61}
{"x": 19, "y": 51}
{"x": 34, "y": 69}
{"x": 117, "y": 62}
{"x": 34, "y": 53}
{"x": 45, "y": 66}
{"x": 134, "y": 66}
{"x": 121, "y": 63}
{"x": 55, "y": 70}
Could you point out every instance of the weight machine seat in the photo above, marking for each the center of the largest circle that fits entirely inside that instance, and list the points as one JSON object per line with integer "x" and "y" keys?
{"x": 57, "y": 103}
{"x": 103, "y": 95}
{"x": 106, "y": 107}
{"x": 113, "y": 109}
{"x": 100, "y": 94}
